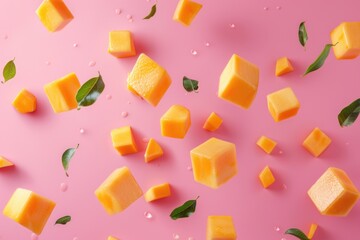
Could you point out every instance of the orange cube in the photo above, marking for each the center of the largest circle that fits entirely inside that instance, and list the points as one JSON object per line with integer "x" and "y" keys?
{"x": 121, "y": 44}
{"x": 220, "y": 228}
{"x": 112, "y": 238}
{"x": 123, "y": 140}
{"x": 153, "y": 151}
{"x": 266, "y": 177}
{"x": 175, "y": 122}
{"x": 346, "y": 36}
{"x": 312, "y": 231}
{"x": 25, "y": 102}
{"x": 266, "y": 144}
{"x": 316, "y": 142}
{"x": 283, "y": 66}
{"x": 158, "y": 192}
{"x": 213, "y": 122}
{"x": 5, "y": 163}
{"x": 186, "y": 11}
{"x": 283, "y": 104}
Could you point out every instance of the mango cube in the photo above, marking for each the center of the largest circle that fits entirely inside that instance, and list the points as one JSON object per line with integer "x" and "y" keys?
{"x": 283, "y": 104}
{"x": 158, "y": 192}
{"x": 266, "y": 177}
{"x": 5, "y": 163}
{"x": 186, "y": 11}
{"x": 25, "y": 102}
{"x": 148, "y": 80}
{"x": 239, "y": 82}
{"x": 112, "y": 238}
{"x": 54, "y": 14}
{"x": 346, "y": 36}
{"x": 317, "y": 142}
{"x": 220, "y": 228}
{"x": 175, "y": 122}
{"x": 123, "y": 140}
{"x": 153, "y": 151}
{"x": 283, "y": 66}
{"x": 213, "y": 122}
{"x": 266, "y": 144}
{"x": 121, "y": 44}
{"x": 214, "y": 162}
{"x": 29, "y": 209}
{"x": 334, "y": 193}
{"x": 118, "y": 191}
{"x": 312, "y": 230}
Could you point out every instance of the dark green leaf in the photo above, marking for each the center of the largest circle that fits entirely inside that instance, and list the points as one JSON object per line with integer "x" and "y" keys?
{"x": 303, "y": 37}
{"x": 90, "y": 91}
{"x": 349, "y": 114}
{"x": 9, "y": 70}
{"x": 184, "y": 210}
{"x": 297, "y": 233}
{"x": 63, "y": 220}
{"x": 320, "y": 60}
{"x": 152, "y": 12}
{"x": 66, "y": 158}
{"x": 190, "y": 84}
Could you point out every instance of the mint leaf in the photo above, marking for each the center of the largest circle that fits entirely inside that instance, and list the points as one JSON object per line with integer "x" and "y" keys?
{"x": 320, "y": 60}
{"x": 297, "y": 233}
{"x": 90, "y": 91}
{"x": 66, "y": 158}
{"x": 349, "y": 114}
{"x": 9, "y": 70}
{"x": 190, "y": 84}
{"x": 184, "y": 210}
{"x": 303, "y": 37}
{"x": 152, "y": 12}
{"x": 63, "y": 220}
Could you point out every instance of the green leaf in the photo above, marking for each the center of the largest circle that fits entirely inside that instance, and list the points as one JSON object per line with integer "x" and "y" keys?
{"x": 349, "y": 114}
{"x": 184, "y": 210}
{"x": 152, "y": 12}
{"x": 66, "y": 158}
{"x": 9, "y": 70}
{"x": 297, "y": 233}
{"x": 90, "y": 91}
{"x": 303, "y": 37}
{"x": 63, "y": 220}
{"x": 190, "y": 84}
{"x": 320, "y": 60}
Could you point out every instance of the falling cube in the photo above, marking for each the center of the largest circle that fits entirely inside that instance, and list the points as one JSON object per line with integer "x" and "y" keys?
{"x": 266, "y": 177}
{"x": 283, "y": 104}
{"x": 317, "y": 142}
{"x": 213, "y": 122}
{"x": 220, "y": 228}
{"x": 346, "y": 38}
{"x": 25, "y": 102}
{"x": 175, "y": 122}
{"x": 283, "y": 66}
{"x": 266, "y": 144}
{"x": 5, "y": 163}
{"x": 123, "y": 140}
{"x": 186, "y": 11}
{"x": 158, "y": 192}
{"x": 153, "y": 151}
{"x": 121, "y": 44}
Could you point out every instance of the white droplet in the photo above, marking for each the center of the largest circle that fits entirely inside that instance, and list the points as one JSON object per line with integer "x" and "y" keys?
{"x": 118, "y": 11}
{"x": 278, "y": 8}
{"x": 75, "y": 45}
{"x": 48, "y": 63}
{"x": 108, "y": 97}
{"x": 191, "y": 238}
{"x": 283, "y": 238}
{"x": 148, "y": 215}
{"x": 124, "y": 114}
{"x": 128, "y": 16}
{"x": 232, "y": 25}
{"x": 277, "y": 229}
{"x": 82, "y": 130}
{"x": 34, "y": 236}
{"x": 131, "y": 20}
{"x": 266, "y": 8}
{"x": 6, "y": 37}
{"x": 193, "y": 52}
{"x": 92, "y": 63}
{"x": 189, "y": 168}
{"x": 75, "y": 238}
{"x": 176, "y": 236}
{"x": 281, "y": 152}
{"x": 63, "y": 187}
{"x": 207, "y": 44}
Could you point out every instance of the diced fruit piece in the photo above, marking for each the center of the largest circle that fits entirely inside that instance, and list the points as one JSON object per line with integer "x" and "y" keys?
{"x": 346, "y": 36}
{"x": 283, "y": 104}
{"x": 148, "y": 80}
{"x": 25, "y": 102}
{"x": 175, "y": 122}
{"x": 112, "y": 238}
{"x": 54, "y": 14}
{"x": 5, "y": 163}
{"x": 317, "y": 142}
{"x": 312, "y": 231}
{"x": 62, "y": 93}
{"x": 29, "y": 209}
{"x": 123, "y": 140}
{"x": 283, "y": 66}
{"x": 239, "y": 82}
{"x": 266, "y": 177}
{"x": 266, "y": 144}
{"x": 214, "y": 162}
{"x": 334, "y": 193}
{"x": 213, "y": 122}
{"x": 121, "y": 44}
{"x": 118, "y": 191}
{"x": 153, "y": 150}
{"x": 158, "y": 192}
{"x": 186, "y": 11}
{"x": 220, "y": 228}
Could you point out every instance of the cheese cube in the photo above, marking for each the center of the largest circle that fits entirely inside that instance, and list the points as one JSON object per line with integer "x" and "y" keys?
{"x": 312, "y": 231}
{"x": 62, "y": 93}
{"x": 283, "y": 66}
{"x": 214, "y": 162}
{"x": 266, "y": 177}
{"x": 153, "y": 150}
{"x": 25, "y": 102}
{"x": 175, "y": 122}
{"x": 123, "y": 140}
{"x": 29, "y": 209}
{"x": 317, "y": 142}
{"x": 266, "y": 144}
{"x": 5, "y": 163}
{"x": 112, "y": 238}
{"x": 121, "y": 44}
{"x": 148, "y": 79}
{"x": 283, "y": 104}
{"x": 213, "y": 122}
{"x": 54, "y": 14}
{"x": 158, "y": 192}
{"x": 220, "y": 228}
{"x": 186, "y": 11}
{"x": 118, "y": 191}
{"x": 346, "y": 36}
{"x": 334, "y": 193}
{"x": 239, "y": 82}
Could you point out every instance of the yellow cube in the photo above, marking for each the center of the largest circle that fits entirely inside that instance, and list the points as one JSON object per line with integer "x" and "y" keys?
{"x": 220, "y": 228}
{"x": 62, "y": 93}
{"x": 5, "y": 163}
{"x": 239, "y": 82}
{"x": 25, "y": 102}
{"x": 175, "y": 122}
{"x": 213, "y": 122}
{"x": 346, "y": 36}
{"x": 123, "y": 140}
{"x": 112, "y": 238}
{"x": 121, "y": 44}
{"x": 153, "y": 151}
{"x": 118, "y": 191}
{"x": 283, "y": 104}
{"x": 266, "y": 177}
{"x": 317, "y": 142}
{"x": 186, "y": 11}
{"x": 334, "y": 193}
{"x": 266, "y": 144}
{"x": 283, "y": 66}
{"x": 158, "y": 192}
{"x": 54, "y": 14}
{"x": 29, "y": 209}
{"x": 312, "y": 231}
{"x": 214, "y": 162}
{"x": 148, "y": 80}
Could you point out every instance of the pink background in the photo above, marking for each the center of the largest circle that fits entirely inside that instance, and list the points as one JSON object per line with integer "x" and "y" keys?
{"x": 36, "y": 141}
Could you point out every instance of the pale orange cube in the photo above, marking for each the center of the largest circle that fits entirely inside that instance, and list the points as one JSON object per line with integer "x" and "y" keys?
{"x": 220, "y": 228}
{"x": 29, "y": 209}
{"x": 213, "y": 122}
{"x": 346, "y": 36}
{"x": 123, "y": 140}
{"x": 118, "y": 191}
{"x": 25, "y": 102}
{"x": 158, "y": 192}
{"x": 214, "y": 162}
{"x": 175, "y": 122}
{"x": 186, "y": 11}
{"x": 112, "y": 238}
{"x": 239, "y": 82}
{"x": 266, "y": 144}
{"x": 283, "y": 66}
{"x": 266, "y": 177}
{"x": 316, "y": 142}
{"x": 283, "y": 104}
{"x": 5, "y": 163}
{"x": 312, "y": 230}
{"x": 153, "y": 150}
{"x": 121, "y": 44}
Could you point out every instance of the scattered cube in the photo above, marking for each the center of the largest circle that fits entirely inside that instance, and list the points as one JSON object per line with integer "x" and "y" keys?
{"x": 346, "y": 36}
{"x": 312, "y": 230}
{"x": 175, "y": 122}
{"x": 112, "y": 238}
{"x": 266, "y": 144}
{"x": 283, "y": 104}
{"x": 121, "y": 44}
{"x": 283, "y": 66}
{"x": 123, "y": 140}
{"x": 214, "y": 162}
{"x": 266, "y": 177}
{"x": 213, "y": 122}
{"x": 220, "y": 228}
{"x": 317, "y": 142}
{"x": 25, "y": 102}
{"x": 186, "y": 11}
{"x": 158, "y": 192}
{"x": 5, "y": 163}
{"x": 29, "y": 209}
{"x": 153, "y": 151}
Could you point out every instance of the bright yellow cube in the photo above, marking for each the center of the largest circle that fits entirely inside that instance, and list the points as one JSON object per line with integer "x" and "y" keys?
{"x": 283, "y": 66}
{"x": 62, "y": 93}
{"x": 316, "y": 142}
{"x": 5, "y": 163}
{"x": 29, "y": 209}
{"x": 153, "y": 151}
{"x": 118, "y": 191}
{"x": 239, "y": 82}
{"x": 25, "y": 102}
{"x": 214, "y": 162}
{"x": 266, "y": 144}
{"x": 148, "y": 80}
{"x": 175, "y": 122}
{"x": 346, "y": 36}
{"x": 213, "y": 122}
{"x": 266, "y": 177}
{"x": 186, "y": 11}
{"x": 283, "y": 104}
{"x": 54, "y": 14}
{"x": 158, "y": 192}
{"x": 312, "y": 231}
{"x": 220, "y": 228}
{"x": 334, "y": 193}
{"x": 123, "y": 140}
{"x": 121, "y": 44}
{"x": 112, "y": 238}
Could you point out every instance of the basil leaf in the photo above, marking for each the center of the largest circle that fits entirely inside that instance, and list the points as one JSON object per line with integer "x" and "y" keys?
{"x": 66, "y": 158}
{"x": 349, "y": 114}
{"x": 303, "y": 37}
{"x": 297, "y": 233}
{"x": 63, "y": 220}
{"x": 90, "y": 91}
{"x": 320, "y": 60}
{"x": 190, "y": 84}
{"x": 9, "y": 70}
{"x": 184, "y": 210}
{"x": 152, "y": 12}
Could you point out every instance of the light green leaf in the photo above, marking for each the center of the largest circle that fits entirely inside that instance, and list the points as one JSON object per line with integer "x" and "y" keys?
{"x": 90, "y": 91}
{"x": 63, "y": 220}
{"x": 9, "y": 70}
{"x": 349, "y": 114}
{"x": 66, "y": 158}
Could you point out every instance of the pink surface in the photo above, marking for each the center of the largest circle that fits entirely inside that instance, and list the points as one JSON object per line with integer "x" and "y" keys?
{"x": 263, "y": 31}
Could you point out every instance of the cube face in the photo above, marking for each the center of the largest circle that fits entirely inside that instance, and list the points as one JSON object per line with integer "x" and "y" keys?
{"x": 266, "y": 177}
{"x": 186, "y": 11}
{"x": 283, "y": 104}
{"x": 317, "y": 142}
{"x": 118, "y": 191}
{"x": 149, "y": 80}
{"x": 5, "y": 163}
{"x": 158, "y": 192}
{"x": 29, "y": 209}
{"x": 175, "y": 122}
{"x": 220, "y": 228}
{"x": 312, "y": 230}
{"x": 266, "y": 144}
{"x": 25, "y": 102}
{"x": 283, "y": 66}
{"x": 121, "y": 44}
{"x": 54, "y": 14}
{"x": 239, "y": 82}
{"x": 123, "y": 140}
{"x": 346, "y": 36}
{"x": 213, "y": 122}
{"x": 153, "y": 151}
{"x": 214, "y": 162}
